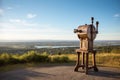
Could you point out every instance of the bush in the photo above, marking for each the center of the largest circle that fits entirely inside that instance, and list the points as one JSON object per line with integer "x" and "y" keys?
{"x": 64, "y": 59}
{"x": 30, "y": 56}
{"x": 1, "y": 62}
{"x": 33, "y": 56}
{"x": 60, "y": 59}
{"x": 5, "y": 58}
{"x": 8, "y": 59}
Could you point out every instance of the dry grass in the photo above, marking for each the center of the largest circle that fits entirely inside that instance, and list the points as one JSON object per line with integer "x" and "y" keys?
{"x": 102, "y": 59}
{"x": 108, "y": 59}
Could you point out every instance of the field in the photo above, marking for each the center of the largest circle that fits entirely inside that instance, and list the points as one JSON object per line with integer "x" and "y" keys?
{"x": 33, "y": 58}
{"x": 63, "y": 68}
{"x": 25, "y": 53}
{"x": 19, "y": 61}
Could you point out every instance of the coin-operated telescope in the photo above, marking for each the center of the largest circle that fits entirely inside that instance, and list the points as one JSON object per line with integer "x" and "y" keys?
{"x": 86, "y": 34}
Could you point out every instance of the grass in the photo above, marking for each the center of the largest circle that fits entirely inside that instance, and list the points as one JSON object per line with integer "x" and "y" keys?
{"x": 102, "y": 59}
{"x": 32, "y": 58}
{"x": 108, "y": 59}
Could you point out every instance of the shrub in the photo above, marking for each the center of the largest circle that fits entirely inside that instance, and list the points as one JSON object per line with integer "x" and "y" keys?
{"x": 59, "y": 58}
{"x": 5, "y": 58}
{"x": 8, "y": 59}
{"x": 1, "y": 62}
{"x": 33, "y": 56}
{"x": 64, "y": 59}
{"x": 108, "y": 59}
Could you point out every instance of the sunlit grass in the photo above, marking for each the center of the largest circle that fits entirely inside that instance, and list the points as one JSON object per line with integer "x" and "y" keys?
{"x": 59, "y": 58}
{"x": 102, "y": 59}
{"x": 32, "y": 58}
{"x": 108, "y": 59}
{"x": 72, "y": 57}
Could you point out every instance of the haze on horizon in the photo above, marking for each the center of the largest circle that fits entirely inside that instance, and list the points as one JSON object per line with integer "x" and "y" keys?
{"x": 56, "y": 19}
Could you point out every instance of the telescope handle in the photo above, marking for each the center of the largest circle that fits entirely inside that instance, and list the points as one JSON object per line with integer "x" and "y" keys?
{"x": 97, "y": 27}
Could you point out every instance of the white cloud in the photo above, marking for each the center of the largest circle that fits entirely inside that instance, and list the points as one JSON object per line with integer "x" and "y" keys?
{"x": 16, "y": 20}
{"x": 17, "y": 29}
{"x": 1, "y": 12}
{"x": 9, "y": 8}
{"x": 117, "y": 15}
{"x": 22, "y": 22}
{"x": 31, "y": 15}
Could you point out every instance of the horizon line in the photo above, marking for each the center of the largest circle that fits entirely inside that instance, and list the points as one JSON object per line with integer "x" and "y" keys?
{"x": 47, "y": 40}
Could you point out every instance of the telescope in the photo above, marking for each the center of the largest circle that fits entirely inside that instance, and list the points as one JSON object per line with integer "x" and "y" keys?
{"x": 86, "y": 34}
{"x": 87, "y": 31}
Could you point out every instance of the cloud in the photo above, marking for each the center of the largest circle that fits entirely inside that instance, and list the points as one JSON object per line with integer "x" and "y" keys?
{"x": 17, "y": 29}
{"x": 21, "y": 29}
{"x": 1, "y": 12}
{"x": 16, "y": 20}
{"x": 31, "y": 15}
{"x": 117, "y": 15}
{"x": 9, "y": 8}
{"x": 22, "y": 22}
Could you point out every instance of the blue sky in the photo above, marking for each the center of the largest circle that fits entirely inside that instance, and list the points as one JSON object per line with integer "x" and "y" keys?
{"x": 56, "y": 19}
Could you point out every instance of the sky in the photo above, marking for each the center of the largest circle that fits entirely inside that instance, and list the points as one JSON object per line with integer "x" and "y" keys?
{"x": 56, "y": 19}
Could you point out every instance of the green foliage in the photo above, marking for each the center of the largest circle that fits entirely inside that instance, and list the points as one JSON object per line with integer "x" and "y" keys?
{"x": 1, "y": 62}
{"x": 60, "y": 58}
{"x": 35, "y": 57}
{"x": 109, "y": 49}
{"x": 5, "y": 58}
{"x": 8, "y": 59}
{"x": 30, "y": 56}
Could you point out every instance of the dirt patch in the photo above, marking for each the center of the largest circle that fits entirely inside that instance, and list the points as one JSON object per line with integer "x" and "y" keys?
{"x": 60, "y": 72}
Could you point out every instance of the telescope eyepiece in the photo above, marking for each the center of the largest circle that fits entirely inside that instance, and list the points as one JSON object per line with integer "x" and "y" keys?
{"x": 76, "y": 30}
